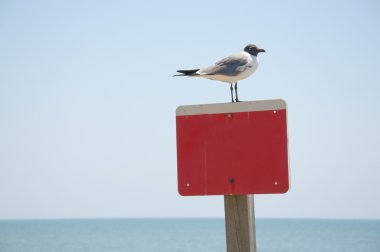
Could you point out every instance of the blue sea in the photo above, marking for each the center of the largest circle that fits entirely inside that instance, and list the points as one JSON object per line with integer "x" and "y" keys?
{"x": 200, "y": 235}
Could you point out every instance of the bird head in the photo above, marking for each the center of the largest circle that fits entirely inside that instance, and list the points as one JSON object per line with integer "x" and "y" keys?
{"x": 253, "y": 49}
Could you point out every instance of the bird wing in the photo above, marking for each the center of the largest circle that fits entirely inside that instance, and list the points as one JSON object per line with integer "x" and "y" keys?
{"x": 230, "y": 66}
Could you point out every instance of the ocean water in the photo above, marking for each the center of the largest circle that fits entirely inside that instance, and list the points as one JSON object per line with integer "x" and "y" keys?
{"x": 206, "y": 235}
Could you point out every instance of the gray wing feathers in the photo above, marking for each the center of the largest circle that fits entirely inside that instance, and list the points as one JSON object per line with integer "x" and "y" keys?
{"x": 229, "y": 66}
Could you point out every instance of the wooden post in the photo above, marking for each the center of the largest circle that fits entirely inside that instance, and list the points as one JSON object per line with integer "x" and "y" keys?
{"x": 240, "y": 223}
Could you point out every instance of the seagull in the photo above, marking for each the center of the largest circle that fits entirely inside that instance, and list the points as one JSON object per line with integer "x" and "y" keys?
{"x": 230, "y": 69}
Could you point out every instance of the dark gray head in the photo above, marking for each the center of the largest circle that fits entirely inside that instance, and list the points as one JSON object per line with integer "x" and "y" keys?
{"x": 253, "y": 49}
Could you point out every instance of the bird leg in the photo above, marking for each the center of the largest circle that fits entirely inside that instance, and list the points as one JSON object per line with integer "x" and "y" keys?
{"x": 232, "y": 94}
{"x": 236, "y": 94}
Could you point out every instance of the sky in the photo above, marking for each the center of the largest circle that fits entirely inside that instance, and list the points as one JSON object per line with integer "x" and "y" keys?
{"x": 87, "y": 103}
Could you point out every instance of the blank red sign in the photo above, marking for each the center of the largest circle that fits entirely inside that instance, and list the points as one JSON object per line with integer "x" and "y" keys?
{"x": 232, "y": 148}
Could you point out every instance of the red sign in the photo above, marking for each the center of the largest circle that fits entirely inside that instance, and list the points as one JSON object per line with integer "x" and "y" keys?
{"x": 232, "y": 148}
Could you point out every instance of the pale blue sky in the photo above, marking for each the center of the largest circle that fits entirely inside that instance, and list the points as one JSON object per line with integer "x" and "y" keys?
{"x": 87, "y": 103}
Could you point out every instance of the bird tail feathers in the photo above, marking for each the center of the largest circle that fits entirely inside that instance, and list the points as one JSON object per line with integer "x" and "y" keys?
{"x": 191, "y": 72}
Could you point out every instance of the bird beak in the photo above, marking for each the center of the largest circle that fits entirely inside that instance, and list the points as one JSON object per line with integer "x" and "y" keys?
{"x": 261, "y": 50}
